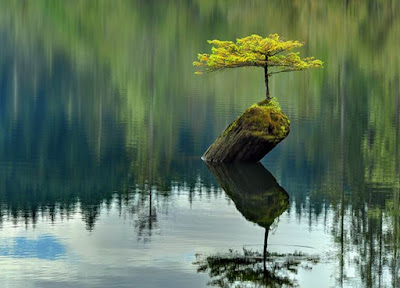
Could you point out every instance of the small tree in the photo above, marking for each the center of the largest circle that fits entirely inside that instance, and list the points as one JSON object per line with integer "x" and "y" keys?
{"x": 255, "y": 51}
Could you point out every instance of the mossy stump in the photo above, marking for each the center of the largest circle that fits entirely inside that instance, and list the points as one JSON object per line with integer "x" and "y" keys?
{"x": 251, "y": 136}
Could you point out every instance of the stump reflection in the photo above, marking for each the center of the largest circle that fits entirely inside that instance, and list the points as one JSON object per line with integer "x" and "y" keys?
{"x": 260, "y": 199}
{"x": 253, "y": 189}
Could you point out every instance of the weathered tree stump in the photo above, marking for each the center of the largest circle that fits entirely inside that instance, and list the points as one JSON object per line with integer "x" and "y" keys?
{"x": 251, "y": 136}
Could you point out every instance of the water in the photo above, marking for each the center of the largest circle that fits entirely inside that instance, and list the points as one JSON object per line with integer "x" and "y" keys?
{"x": 103, "y": 122}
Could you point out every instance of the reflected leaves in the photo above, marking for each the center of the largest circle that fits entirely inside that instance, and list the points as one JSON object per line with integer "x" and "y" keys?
{"x": 91, "y": 102}
{"x": 235, "y": 269}
{"x": 261, "y": 200}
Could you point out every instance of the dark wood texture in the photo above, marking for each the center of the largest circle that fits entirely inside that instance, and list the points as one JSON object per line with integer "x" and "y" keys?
{"x": 250, "y": 137}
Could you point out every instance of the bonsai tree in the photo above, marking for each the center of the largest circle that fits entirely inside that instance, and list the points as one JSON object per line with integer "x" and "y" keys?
{"x": 254, "y": 50}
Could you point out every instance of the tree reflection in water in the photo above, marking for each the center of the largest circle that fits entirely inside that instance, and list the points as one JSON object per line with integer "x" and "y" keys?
{"x": 261, "y": 200}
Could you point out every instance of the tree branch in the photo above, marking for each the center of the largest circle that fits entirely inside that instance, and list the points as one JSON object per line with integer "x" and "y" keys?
{"x": 286, "y": 70}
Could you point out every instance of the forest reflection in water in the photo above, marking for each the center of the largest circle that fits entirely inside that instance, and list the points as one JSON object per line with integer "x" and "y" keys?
{"x": 84, "y": 133}
{"x": 365, "y": 239}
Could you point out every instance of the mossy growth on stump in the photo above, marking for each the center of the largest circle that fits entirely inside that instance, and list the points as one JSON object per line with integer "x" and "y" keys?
{"x": 262, "y": 126}
{"x": 251, "y": 136}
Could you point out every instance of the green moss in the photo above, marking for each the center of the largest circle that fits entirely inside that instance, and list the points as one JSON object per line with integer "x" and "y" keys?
{"x": 230, "y": 128}
{"x": 272, "y": 104}
{"x": 264, "y": 119}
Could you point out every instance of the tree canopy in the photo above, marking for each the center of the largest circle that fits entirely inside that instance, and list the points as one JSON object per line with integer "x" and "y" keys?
{"x": 255, "y": 51}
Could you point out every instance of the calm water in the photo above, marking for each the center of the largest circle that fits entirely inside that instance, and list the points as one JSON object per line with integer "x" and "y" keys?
{"x": 102, "y": 125}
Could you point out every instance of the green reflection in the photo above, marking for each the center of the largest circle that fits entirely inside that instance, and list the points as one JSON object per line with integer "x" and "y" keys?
{"x": 253, "y": 189}
{"x": 260, "y": 199}
{"x": 99, "y": 96}
{"x": 361, "y": 62}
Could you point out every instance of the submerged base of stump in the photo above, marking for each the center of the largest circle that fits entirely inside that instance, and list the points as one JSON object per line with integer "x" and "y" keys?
{"x": 251, "y": 136}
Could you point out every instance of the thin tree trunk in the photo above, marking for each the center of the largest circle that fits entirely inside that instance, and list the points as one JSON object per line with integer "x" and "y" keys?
{"x": 266, "y": 83}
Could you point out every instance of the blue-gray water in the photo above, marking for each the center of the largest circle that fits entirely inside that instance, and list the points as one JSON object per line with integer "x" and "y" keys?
{"x": 103, "y": 122}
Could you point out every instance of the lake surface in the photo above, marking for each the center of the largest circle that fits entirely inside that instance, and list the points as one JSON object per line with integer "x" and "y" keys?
{"x": 103, "y": 123}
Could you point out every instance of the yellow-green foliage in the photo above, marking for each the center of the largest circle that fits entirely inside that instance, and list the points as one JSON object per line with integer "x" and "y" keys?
{"x": 255, "y": 51}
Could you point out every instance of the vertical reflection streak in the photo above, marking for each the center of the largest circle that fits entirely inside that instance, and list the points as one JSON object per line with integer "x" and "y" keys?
{"x": 396, "y": 185}
{"x": 15, "y": 90}
{"x": 342, "y": 136}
